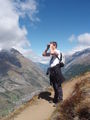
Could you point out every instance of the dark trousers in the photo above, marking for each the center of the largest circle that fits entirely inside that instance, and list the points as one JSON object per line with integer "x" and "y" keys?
{"x": 58, "y": 93}
{"x": 56, "y": 78}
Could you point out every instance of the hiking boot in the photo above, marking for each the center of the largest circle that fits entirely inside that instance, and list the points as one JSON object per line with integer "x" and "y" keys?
{"x": 55, "y": 101}
{"x": 55, "y": 105}
{"x": 58, "y": 103}
{"x": 50, "y": 101}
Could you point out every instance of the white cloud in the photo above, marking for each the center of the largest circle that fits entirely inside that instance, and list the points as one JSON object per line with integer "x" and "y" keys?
{"x": 11, "y": 35}
{"x": 40, "y": 59}
{"x": 27, "y": 7}
{"x": 84, "y": 39}
{"x": 72, "y": 38}
{"x": 83, "y": 42}
{"x": 77, "y": 48}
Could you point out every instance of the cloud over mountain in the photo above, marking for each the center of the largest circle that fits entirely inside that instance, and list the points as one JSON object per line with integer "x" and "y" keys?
{"x": 83, "y": 41}
{"x": 11, "y": 34}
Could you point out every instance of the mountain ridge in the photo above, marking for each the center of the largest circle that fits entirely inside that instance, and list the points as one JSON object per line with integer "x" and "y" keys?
{"x": 77, "y": 63}
{"x": 20, "y": 79}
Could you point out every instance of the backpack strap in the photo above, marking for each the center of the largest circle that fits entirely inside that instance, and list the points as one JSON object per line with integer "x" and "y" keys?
{"x": 60, "y": 59}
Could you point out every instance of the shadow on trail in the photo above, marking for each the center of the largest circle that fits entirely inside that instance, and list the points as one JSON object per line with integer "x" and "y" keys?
{"x": 46, "y": 96}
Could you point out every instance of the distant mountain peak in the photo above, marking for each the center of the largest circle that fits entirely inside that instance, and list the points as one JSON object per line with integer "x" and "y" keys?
{"x": 10, "y": 52}
{"x": 14, "y": 51}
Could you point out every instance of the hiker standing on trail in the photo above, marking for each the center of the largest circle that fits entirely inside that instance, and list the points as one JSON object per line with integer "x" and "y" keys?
{"x": 54, "y": 71}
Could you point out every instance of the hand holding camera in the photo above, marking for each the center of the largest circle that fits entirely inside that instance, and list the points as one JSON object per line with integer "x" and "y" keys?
{"x": 45, "y": 52}
{"x": 48, "y": 46}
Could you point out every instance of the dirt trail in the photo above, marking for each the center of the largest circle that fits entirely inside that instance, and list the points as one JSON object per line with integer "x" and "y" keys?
{"x": 42, "y": 109}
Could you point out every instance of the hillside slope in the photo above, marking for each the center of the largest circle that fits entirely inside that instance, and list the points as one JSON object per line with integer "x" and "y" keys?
{"x": 41, "y": 107}
{"x": 77, "y": 105}
{"x": 77, "y": 63}
{"x": 20, "y": 79}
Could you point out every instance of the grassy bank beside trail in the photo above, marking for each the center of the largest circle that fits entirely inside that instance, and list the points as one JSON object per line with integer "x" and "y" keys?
{"x": 77, "y": 105}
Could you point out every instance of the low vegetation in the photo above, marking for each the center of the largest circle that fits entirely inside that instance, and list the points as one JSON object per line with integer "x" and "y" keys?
{"x": 77, "y": 106}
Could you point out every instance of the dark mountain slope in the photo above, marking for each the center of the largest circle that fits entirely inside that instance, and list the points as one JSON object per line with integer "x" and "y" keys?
{"x": 20, "y": 79}
{"x": 77, "y": 63}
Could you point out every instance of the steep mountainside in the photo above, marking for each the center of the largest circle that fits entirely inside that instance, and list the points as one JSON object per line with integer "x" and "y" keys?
{"x": 77, "y": 63}
{"x": 20, "y": 79}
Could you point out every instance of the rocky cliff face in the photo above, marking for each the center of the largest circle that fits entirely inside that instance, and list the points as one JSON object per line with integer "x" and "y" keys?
{"x": 20, "y": 79}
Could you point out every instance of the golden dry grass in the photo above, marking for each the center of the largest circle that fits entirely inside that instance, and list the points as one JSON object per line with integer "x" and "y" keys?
{"x": 77, "y": 106}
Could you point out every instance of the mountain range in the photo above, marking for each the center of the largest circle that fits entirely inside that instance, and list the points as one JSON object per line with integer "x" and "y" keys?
{"x": 77, "y": 63}
{"x": 20, "y": 79}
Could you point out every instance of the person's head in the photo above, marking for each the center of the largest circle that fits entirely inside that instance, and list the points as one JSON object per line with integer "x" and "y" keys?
{"x": 53, "y": 45}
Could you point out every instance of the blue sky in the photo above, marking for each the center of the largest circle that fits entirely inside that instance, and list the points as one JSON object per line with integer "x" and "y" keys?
{"x": 29, "y": 25}
{"x": 59, "y": 20}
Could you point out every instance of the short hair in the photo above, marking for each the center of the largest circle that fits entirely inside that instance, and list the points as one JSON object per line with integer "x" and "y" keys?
{"x": 54, "y": 43}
